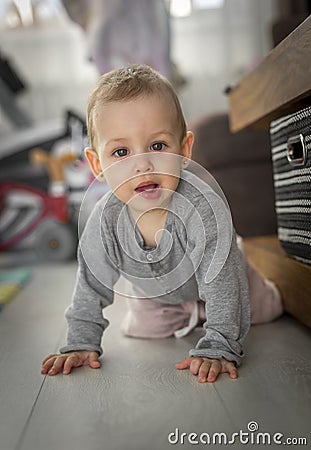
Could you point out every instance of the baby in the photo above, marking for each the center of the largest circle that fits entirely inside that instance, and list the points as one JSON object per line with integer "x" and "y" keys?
{"x": 167, "y": 232}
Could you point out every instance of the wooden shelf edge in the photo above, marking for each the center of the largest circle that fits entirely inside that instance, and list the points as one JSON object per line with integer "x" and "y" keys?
{"x": 292, "y": 277}
{"x": 277, "y": 86}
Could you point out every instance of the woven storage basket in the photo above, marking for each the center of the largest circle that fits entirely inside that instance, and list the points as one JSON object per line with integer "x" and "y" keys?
{"x": 291, "y": 156}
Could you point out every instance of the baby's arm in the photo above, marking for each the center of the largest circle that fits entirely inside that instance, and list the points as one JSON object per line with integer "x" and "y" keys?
{"x": 226, "y": 300}
{"x": 86, "y": 323}
{"x": 227, "y": 321}
{"x": 85, "y": 326}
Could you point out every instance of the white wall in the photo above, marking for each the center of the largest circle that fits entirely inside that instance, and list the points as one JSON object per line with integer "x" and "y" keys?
{"x": 212, "y": 49}
{"x": 215, "y": 48}
{"x": 52, "y": 59}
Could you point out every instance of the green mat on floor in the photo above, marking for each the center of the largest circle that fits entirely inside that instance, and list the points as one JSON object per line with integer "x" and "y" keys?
{"x": 11, "y": 281}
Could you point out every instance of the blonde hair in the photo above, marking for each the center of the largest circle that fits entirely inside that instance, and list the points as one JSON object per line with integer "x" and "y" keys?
{"x": 128, "y": 83}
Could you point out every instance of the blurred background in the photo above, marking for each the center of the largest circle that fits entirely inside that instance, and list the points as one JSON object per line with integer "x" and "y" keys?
{"x": 51, "y": 54}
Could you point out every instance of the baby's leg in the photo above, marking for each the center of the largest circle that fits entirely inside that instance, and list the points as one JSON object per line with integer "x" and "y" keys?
{"x": 147, "y": 318}
{"x": 265, "y": 298}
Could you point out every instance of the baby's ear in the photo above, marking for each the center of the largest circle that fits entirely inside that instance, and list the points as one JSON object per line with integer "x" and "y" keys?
{"x": 186, "y": 146}
{"x": 93, "y": 160}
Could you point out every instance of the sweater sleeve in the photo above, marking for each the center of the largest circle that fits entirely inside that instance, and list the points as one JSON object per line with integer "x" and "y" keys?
{"x": 225, "y": 294}
{"x": 93, "y": 291}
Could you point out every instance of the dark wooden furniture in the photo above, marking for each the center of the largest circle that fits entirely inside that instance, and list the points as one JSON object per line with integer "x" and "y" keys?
{"x": 280, "y": 85}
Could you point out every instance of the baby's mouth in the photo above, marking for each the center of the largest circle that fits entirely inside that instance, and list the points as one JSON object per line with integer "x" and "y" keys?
{"x": 148, "y": 190}
{"x": 146, "y": 187}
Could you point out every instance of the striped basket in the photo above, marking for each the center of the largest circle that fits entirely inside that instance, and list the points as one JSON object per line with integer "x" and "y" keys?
{"x": 291, "y": 156}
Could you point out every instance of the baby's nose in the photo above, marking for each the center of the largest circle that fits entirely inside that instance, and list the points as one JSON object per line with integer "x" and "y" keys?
{"x": 143, "y": 163}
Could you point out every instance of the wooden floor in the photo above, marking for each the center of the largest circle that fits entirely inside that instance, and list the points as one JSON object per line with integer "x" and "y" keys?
{"x": 138, "y": 398}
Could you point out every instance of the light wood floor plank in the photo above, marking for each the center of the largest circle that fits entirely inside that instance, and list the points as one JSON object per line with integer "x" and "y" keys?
{"x": 30, "y": 327}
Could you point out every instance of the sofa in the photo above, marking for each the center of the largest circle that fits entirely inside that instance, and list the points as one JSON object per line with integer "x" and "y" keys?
{"x": 241, "y": 164}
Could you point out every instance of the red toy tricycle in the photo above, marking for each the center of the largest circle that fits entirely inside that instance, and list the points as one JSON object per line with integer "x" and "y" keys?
{"x": 41, "y": 217}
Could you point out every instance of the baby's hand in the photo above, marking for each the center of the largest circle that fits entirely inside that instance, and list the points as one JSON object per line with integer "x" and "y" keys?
{"x": 208, "y": 369}
{"x": 55, "y": 363}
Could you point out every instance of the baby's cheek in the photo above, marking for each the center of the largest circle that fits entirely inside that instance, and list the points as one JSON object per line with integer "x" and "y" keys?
{"x": 123, "y": 192}
{"x": 115, "y": 177}
{"x": 170, "y": 182}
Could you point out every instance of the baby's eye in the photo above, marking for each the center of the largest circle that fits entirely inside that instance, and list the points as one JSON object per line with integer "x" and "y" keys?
{"x": 120, "y": 152}
{"x": 158, "y": 146}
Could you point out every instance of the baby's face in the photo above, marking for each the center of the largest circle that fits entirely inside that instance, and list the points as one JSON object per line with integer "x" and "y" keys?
{"x": 139, "y": 150}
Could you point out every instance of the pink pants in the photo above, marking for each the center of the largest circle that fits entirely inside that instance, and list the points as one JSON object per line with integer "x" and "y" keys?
{"x": 151, "y": 319}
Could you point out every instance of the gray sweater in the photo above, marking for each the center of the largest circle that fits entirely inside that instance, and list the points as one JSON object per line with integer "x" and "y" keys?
{"x": 196, "y": 258}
